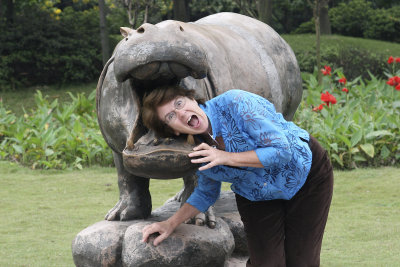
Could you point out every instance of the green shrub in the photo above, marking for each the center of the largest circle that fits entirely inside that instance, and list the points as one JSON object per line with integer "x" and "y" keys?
{"x": 305, "y": 27}
{"x": 384, "y": 24}
{"x": 80, "y": 55}
{"x": 346, "y": 52}
{"x": 54, "y": 136}
{"x": 359, "y": 19}
{"x": 40, "y": 49}
{"x": 349, "y": 58}
{"x": 351, "y": 18}
{"x": 362, "y": 128}
{"x": 356, "y": 61}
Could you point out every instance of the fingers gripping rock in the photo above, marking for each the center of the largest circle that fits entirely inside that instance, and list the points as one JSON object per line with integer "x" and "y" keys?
{"x": 188, "y": 245}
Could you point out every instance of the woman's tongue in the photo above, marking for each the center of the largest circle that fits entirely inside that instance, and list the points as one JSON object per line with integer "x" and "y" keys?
{"x": 194, "y": 121}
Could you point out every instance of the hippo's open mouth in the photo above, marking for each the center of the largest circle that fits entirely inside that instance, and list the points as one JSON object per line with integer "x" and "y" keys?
{"x": 160, "y": 71}
{"x": 152, "y": 59}
{"x": 149, "y": 64}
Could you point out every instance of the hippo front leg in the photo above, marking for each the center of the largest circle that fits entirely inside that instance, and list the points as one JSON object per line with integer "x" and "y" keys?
{"x": 207, "y": 218}
{"x": 134, "y": 200}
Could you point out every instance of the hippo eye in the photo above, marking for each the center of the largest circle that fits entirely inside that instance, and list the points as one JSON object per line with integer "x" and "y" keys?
{"x": 180, "y": 28}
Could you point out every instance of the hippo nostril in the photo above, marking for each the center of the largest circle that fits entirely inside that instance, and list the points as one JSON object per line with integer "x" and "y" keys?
{"x": 180, "y": 28}
{"x": 140, "y": 30}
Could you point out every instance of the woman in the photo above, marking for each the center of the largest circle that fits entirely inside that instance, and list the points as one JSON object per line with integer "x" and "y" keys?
{"x": 281, "y": 176}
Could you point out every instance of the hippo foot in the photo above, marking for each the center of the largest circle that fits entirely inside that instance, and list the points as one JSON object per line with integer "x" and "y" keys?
{"x": 206, "y": 218}
{"x": 126, "y": 210}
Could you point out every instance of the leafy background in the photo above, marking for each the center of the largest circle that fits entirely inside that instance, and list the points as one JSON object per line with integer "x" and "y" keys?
{"x": 361, "y": 129}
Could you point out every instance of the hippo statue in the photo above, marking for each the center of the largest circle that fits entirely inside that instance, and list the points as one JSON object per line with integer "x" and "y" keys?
{"x": 212, "y": 55}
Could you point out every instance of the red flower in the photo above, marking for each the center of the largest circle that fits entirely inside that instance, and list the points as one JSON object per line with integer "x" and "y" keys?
{"x": 397, "y": 59}
{"x": 343, "y": 80}
{"x": 390, "y": 60}
{"x": 394, "y": 81}
{"x": 320, "y": 107}
{"x": 326, "y": 70}
{"x": 397, "y": 87}
{"x": 328, "y": 98}
{"x": 345, "y": 90}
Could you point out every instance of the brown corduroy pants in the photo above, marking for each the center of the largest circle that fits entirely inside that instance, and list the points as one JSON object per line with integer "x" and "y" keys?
{"x": 289, "y": 232}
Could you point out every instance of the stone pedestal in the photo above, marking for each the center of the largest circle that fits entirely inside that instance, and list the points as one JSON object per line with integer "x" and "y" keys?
{"x": 118, "y": 243}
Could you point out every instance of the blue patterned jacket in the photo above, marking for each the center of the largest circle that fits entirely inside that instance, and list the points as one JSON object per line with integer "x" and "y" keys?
{"x": 249, "y": 122}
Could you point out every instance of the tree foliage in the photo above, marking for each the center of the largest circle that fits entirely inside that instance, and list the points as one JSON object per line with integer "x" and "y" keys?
{"x": 58, "y": 41}
{"x": 42, "y": 47}
{"x": 359, "y": 18}
{"x": 351, "y": 18}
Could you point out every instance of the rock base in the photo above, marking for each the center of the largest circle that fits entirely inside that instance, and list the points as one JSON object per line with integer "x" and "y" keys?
{"x": 115, "y": 243}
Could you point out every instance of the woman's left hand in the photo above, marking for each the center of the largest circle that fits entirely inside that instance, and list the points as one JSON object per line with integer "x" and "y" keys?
{"x": 209, "y": 154}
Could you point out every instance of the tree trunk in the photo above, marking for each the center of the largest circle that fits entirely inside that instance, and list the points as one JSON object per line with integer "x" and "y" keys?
{"x": 9, "y": 12}
{"x": 316, "y": 13}
{"x": 136, "y": 6}
{"x": 265, "y": 11}
{"x": 1, "y": 11}
{"x": 181, "y": 10}
{"x": 325, "y": 24}
{"x": 105, "y": 44}
{"x": 146, "y": 11}
{"x": 318, "y": 36}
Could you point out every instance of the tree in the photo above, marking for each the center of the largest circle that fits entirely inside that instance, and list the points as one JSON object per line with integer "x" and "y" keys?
{"x": 325, "y": 24}
{"x": 316, "y": 12}
{"x": 136, "y": 8}
{"x": 8, "y": 10}
{"x": 105, "y": 44}
{"x": 247, "y": 7}
{"x": 265, "y": 11}
{"x": 181, "y": 10}
{"x": 132, "y": 11}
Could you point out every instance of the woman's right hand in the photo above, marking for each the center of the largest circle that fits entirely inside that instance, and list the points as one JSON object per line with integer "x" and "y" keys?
{"x": 209, "y": 155}
{"x": 213, "y": 157}
{"x": 164, "y": 228}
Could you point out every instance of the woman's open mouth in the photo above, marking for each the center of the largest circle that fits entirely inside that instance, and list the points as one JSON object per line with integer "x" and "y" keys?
{"x": 193, "y": 121}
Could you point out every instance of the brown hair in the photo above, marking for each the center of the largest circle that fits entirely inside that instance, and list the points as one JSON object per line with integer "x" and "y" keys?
{"x": 158, "y": 97}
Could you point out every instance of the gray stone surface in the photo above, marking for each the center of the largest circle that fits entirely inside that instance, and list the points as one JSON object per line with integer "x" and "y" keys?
{"x": 236, "y": 228}
{"x": 100, "y": 244}
{"x": 114, "y": 243}
{"x": 236, "y": 261}
{"x": 189, "y": 245}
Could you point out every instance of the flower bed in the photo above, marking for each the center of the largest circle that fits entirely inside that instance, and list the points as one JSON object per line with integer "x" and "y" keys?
{"x": 358, "y": 121}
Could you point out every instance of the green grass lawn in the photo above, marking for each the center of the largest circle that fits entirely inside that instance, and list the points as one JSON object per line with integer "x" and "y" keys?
{"x": 42, "y": 211}
{"x": 302, "y": 42}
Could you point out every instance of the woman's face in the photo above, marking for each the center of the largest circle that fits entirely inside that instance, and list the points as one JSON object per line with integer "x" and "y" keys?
{"x": 183, "y": 115}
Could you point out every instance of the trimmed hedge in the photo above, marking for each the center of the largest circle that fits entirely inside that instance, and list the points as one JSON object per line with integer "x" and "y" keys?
{"x": 356, "y": 56}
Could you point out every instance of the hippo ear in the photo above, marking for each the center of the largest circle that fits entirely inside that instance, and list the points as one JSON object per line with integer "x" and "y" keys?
{"x": 125, "y": 31}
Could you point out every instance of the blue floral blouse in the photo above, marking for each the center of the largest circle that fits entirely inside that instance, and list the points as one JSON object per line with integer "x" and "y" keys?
{"x": 249, "y": 122}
